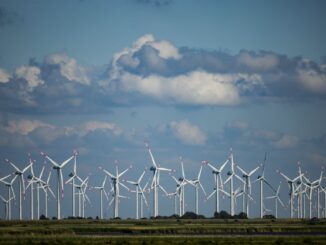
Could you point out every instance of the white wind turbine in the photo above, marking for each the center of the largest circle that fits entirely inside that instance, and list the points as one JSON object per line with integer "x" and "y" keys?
{"x": 178, "y": 193}
{"x": 247, "y": 188}
{"x": 38, "y": 180}
{"x": 156, "y": 180}
{"x": 291, "y": 183}
{"x": 82, "y": 195}
{"x": 196, "y": 183}
{"x": 230, "y": 178}
{"x": 10, "y": 191}
{"x": 102, "y": 190}
{"x": 144, "y": 190}
{"x": 58, "y": 167}
{"x": 138, "y": 192}
{"x": 6, "y": 203}
{"x": 73, "y": 176}
{"x": 323, "y": 189}
{"x": 261, "y": 178}
{"x": 46, "y": 187}
{"x": 217, "y": 177}
{"x": 182, "y": 183}
{"x": 277, "y": 199}
{"x": 311, "y": 186}
{"x": 20, "y": 173}
{"x": 116, "y": 187}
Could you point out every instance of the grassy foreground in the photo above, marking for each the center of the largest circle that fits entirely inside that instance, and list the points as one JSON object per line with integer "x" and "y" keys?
{"x": 206, "y": 231}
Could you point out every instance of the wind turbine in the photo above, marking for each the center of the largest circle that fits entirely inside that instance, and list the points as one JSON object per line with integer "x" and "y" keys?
{"x": 116, "y": 186}
{"x": 46, "y": 187}
{"x": 323, "y": 189}
{"x": 277, "y": 199}
{"x": 178, "y": 192}
{"x": 58, "y": 167}
{"x": 182, "y": 183}
{"x": 230, "y": 178}
{"x": 10, "y": 191}
{"x": 247, "y": 188}
{"x": 291, "y": 183}
{"x": 156, "y": 180}
{"x": 102, "y": 190}
{"x": 20, "y": 173}
{"x": 216, "y": 172}
{"x": 311, "y": 186}
{"x": 196, "y": 183}
{"x": 263, "y": 180}
{"x": 138, "y": 192}
{"x": 38, "y": 180}
{"x": 6, "y": 203}
{"x": 72, "y": 176}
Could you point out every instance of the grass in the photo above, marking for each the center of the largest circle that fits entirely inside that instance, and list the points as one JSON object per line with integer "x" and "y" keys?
{"x": 208, "y": 231}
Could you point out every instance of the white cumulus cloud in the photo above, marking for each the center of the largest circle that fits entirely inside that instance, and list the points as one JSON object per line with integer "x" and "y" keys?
{"x": 31, "y": 74}
{"x": 312, "y": 80}
{"x": 188, "y": 133}
{"x": 4, "y": 76}
{"x": 69, "y": 68}
{"x": 196, "y": 88}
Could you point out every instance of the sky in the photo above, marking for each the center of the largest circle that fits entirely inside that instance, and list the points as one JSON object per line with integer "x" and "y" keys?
{"x": 192, "y": 78}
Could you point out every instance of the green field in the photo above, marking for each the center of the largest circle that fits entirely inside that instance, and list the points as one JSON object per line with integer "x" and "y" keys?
{"x": 208, "y": 231}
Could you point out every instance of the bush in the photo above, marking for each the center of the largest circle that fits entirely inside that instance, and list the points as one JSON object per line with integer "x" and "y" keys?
{"x": 268, "y": 216}
{"x": 42, "y": 217}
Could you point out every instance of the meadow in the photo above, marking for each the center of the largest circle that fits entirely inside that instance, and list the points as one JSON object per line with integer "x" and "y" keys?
{"x": 169, "y": 231}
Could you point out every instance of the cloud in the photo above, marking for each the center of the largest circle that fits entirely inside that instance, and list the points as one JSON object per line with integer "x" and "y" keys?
{"x": 313, "y": 80}
{"x": 31, "y": 74}
{"x": 92, "y": 126}
{"x": 286, "y": 141}
{"x": 264, "y": 62}
{"x": 196, "y": 88}
{"x": 156, "y": 71}
{"x": 188, "y": 133}
{"x": 24, "y": 127}
{"x": 4, "y": 76}
{"x": 69, "y": 68}
{"x": 243, "y": 134}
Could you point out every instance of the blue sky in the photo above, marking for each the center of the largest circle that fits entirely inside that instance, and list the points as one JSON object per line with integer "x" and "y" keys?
{"x": 193, "y": 78}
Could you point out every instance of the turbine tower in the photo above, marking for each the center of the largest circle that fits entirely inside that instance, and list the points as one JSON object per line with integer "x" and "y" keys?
{"x": 277, "y": 199}
{"x": 102, "y": 190}
{"x": 116, "y": 187}
{"x": 6, "y": 203}
{"x": 291, "y": 183}
{"x": 196, "y": 183}
{"x": 231, "y": 180}
{"x": 247, "y": 188}
{"x": 138, "y": 192}
{"x": 217, "y": 176}
{"x": 10, "y": 191}
{"x": 38, "y": 181}
{"x": 72, "y": 176}
{"x": 46, "y": 187}
{"x": 156, "y": 180}
{"x": 60, "y": 187}
{"x": 261, "y": 178}
{"x": 20, "y": 173}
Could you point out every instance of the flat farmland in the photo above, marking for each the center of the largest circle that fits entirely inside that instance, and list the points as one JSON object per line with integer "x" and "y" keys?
{"x": 207, "y": 231}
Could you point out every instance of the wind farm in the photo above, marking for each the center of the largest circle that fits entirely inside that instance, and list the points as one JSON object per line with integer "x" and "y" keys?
{"x": 299, "y": 186}
{"x": 162, "y": 121}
